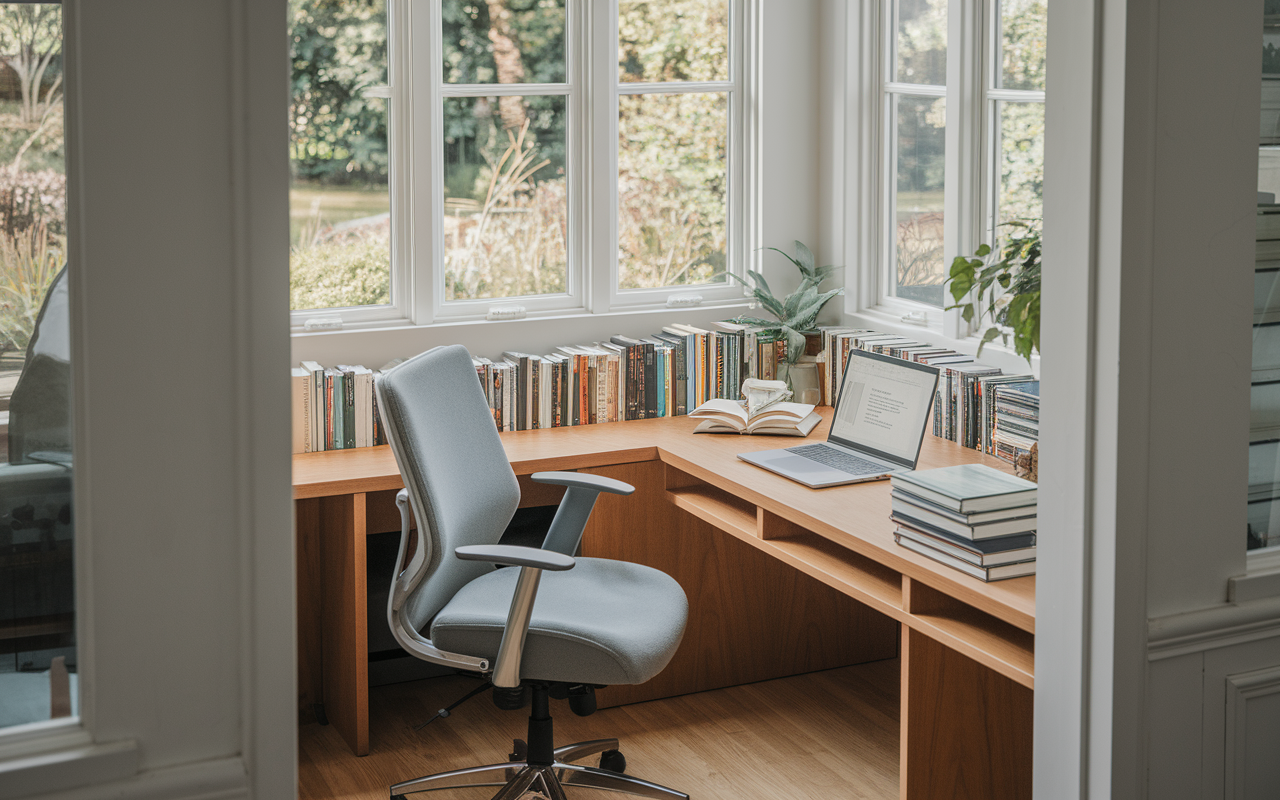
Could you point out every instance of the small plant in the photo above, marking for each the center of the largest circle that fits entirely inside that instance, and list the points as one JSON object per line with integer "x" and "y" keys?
{"x": 1011, "y": 286}
{"x": 29, "y": 261}
{"x": 797, "y": 313}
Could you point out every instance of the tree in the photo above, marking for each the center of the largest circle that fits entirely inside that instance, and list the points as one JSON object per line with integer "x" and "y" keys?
{"x": 30, "y": 39}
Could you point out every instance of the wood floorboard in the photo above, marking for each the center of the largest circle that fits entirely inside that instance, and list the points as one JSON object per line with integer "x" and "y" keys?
{"x": 807, "y": 737}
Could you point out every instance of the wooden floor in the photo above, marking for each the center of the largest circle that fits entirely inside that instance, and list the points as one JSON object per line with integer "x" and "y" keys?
{"x": 824, "y": 735}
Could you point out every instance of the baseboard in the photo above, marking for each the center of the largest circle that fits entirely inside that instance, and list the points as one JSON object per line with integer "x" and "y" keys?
{"x": 220, "y": 779}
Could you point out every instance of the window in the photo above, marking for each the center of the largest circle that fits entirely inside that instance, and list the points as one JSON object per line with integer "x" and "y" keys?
{"x": 456, "y": 155}
{"x": 961, "y": 135}
{"x": 38, "y": 661}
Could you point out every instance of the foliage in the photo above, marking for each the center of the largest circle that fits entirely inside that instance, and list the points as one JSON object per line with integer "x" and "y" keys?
{"x": 514, "y": 243}
{"x": 29, "y": 261}
{"x": 28, "y": 199}
{"x": 798, "y": 311}
{"x": 342, "y": 270}
{"x": 338, "y": 131}
{"x": 1011, "y": 286}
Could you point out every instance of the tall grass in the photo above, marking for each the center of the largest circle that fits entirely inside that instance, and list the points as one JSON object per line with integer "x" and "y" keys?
{"x": 29, "y": 261}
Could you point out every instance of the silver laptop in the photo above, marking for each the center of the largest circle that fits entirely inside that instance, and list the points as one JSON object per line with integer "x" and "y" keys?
{"x": 877, "y": 429}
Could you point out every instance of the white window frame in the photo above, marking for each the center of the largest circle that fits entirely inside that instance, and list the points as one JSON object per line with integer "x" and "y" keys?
{"x": 971, "y": 173}
{"x": 592, "y": 90}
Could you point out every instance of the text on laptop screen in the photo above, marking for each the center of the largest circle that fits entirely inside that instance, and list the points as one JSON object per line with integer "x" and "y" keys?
{"x": 883, "y": 406}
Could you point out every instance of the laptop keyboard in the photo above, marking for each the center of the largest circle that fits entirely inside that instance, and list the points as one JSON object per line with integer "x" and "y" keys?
{"x": 838, "y": 459}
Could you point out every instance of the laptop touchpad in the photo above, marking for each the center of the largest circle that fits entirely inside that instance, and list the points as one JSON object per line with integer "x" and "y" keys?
{"x": 798, "y": 464}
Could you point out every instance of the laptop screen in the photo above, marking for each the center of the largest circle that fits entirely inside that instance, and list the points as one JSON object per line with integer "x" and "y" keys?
{"x": 884, "y": 406}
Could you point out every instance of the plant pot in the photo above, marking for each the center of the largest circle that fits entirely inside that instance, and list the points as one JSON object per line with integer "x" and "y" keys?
{"x": 802, "y": 379}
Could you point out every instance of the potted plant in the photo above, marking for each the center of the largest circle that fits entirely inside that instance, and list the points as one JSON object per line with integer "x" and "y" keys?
{"x": 796, "y": 315}
{"x": 1010, "y": 284}
{"x": 1014, "y": 310}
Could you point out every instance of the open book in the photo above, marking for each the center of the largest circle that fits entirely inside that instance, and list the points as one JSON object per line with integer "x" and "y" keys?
{"x": 780, "y": 419}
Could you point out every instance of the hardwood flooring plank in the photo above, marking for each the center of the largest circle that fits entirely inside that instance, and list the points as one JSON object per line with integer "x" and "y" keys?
{"x": 805, "y": 737}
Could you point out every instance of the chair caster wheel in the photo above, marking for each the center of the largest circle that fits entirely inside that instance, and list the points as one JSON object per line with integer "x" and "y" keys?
{"x": 613, "y": 761}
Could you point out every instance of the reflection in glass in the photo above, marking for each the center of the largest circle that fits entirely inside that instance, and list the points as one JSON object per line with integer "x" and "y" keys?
{"x": 339, "y": 204}
{"x": 1021, "y": 188}
{"x": 503, "y": 41}
{"x": 673, "y": 40}
{"x": 1023, "y": 39}
{"x": 505, "y": 207}
{"x": 672, "y": 189}
{"x": 921, "y": 42}
{"x": 919, "y": 133}
{"x": 38, "y": 656}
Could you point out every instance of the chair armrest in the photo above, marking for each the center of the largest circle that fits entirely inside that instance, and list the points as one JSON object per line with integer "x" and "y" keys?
{"x": 583, "y": 480}
{"x": 515, "y": 556}
{"x": 532, "y": 561}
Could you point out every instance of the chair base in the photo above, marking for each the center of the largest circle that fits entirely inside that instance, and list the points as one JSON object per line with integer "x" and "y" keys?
{"x": 518, "y": 778}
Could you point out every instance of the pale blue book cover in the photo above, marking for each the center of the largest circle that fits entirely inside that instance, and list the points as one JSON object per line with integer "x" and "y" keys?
{"x": 966, "y": 481}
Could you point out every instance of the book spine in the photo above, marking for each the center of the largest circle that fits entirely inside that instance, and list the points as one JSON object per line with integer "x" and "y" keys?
{"x": 348, "y": 410}
{"x": 379, "y": 435}
{"x": 651, "y": 381}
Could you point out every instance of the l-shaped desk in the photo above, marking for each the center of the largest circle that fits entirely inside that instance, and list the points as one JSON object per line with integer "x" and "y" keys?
{"x": 781, "y": 580}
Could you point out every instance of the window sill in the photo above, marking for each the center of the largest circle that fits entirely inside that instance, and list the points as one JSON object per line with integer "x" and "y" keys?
{"x": 54, "y": 756}
{"x": 375, "y": 344}
{"x": 1261, "y": 580}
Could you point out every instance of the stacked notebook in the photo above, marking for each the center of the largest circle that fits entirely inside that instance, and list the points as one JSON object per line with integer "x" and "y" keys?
{"x": 970, "y": 517}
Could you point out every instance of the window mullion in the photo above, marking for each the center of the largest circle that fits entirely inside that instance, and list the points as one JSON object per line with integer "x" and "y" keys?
{"x": 599, "y": 54}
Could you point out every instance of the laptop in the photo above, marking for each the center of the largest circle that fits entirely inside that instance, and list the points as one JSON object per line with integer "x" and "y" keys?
{"x": 877, "y": 428}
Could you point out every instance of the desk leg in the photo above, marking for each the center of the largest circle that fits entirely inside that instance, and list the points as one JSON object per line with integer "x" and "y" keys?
{"x": 345, "y": 625}
{"x": 966, "y": 729}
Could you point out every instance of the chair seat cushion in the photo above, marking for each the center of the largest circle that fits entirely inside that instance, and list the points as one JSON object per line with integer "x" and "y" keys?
{"x": 602, "y": 622}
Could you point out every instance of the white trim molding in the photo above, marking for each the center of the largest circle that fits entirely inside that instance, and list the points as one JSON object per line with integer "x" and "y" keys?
{"x": 1242, "y": 689}
{"x": 1212, "y": 628}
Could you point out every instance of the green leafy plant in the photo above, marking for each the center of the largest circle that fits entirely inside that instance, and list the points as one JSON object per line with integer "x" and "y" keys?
{"x": 797, "y": 313}
{"x": 1006, "y": 289}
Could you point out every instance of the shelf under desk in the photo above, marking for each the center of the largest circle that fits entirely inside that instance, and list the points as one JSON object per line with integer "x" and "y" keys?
{"x": 781, "y": 579}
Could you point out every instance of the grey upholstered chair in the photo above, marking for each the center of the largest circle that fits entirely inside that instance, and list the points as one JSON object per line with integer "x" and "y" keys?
{"x": 586, "y": 623}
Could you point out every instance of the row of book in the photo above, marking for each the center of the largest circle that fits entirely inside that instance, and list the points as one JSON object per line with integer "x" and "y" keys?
{"x": 669, "y": 374}
{"x": 972, "y": 518}
{"x": 334, "y": 408}
{"x": 976, "y": 405}
{"x": 624, "y": 378}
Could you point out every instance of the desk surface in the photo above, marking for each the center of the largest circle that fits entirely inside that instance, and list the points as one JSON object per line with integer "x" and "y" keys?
{"x": 855, "y": 517}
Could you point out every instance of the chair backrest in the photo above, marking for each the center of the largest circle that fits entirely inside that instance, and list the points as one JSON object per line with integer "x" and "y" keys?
{"x": 461, "y": 486}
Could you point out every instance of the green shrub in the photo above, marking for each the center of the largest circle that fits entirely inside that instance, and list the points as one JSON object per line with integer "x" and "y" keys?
{"x": 341, "y": 272}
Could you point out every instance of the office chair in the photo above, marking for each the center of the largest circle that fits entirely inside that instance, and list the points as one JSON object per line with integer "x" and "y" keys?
{"x": 585, "y": 624}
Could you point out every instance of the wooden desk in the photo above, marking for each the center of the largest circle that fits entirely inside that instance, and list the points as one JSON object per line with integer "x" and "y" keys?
{"x": 781, "y": 580}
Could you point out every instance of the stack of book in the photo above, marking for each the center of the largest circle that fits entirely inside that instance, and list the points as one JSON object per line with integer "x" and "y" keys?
{"x": 1017, "y": 419}
{"x": 970, "y": 517}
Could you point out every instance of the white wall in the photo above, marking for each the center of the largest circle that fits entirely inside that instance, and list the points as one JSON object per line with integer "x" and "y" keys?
{"x": 791, "y": 167}
{"x": 178, "y": 224}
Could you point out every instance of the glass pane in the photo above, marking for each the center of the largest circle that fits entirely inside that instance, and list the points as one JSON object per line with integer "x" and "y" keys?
{"x": 673, "y": 182}
{"x": 506, "y": 216}
{"x": 1023, "y": 37}
{"x": 919, "y": 137}
{"x": 673, "y": 40}
{"x": 339, "y": 205}
{"x": 503, "y": 41}
{"x": 1021, "y": 190}
{"x": 921, "y": 42}
{"x": 37, "y": 581}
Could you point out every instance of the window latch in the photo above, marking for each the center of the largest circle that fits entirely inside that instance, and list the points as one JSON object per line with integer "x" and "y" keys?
{"x": 684, "y": 300}
{"x": 327, "y": 322}
{"x": 505, "y": 312}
